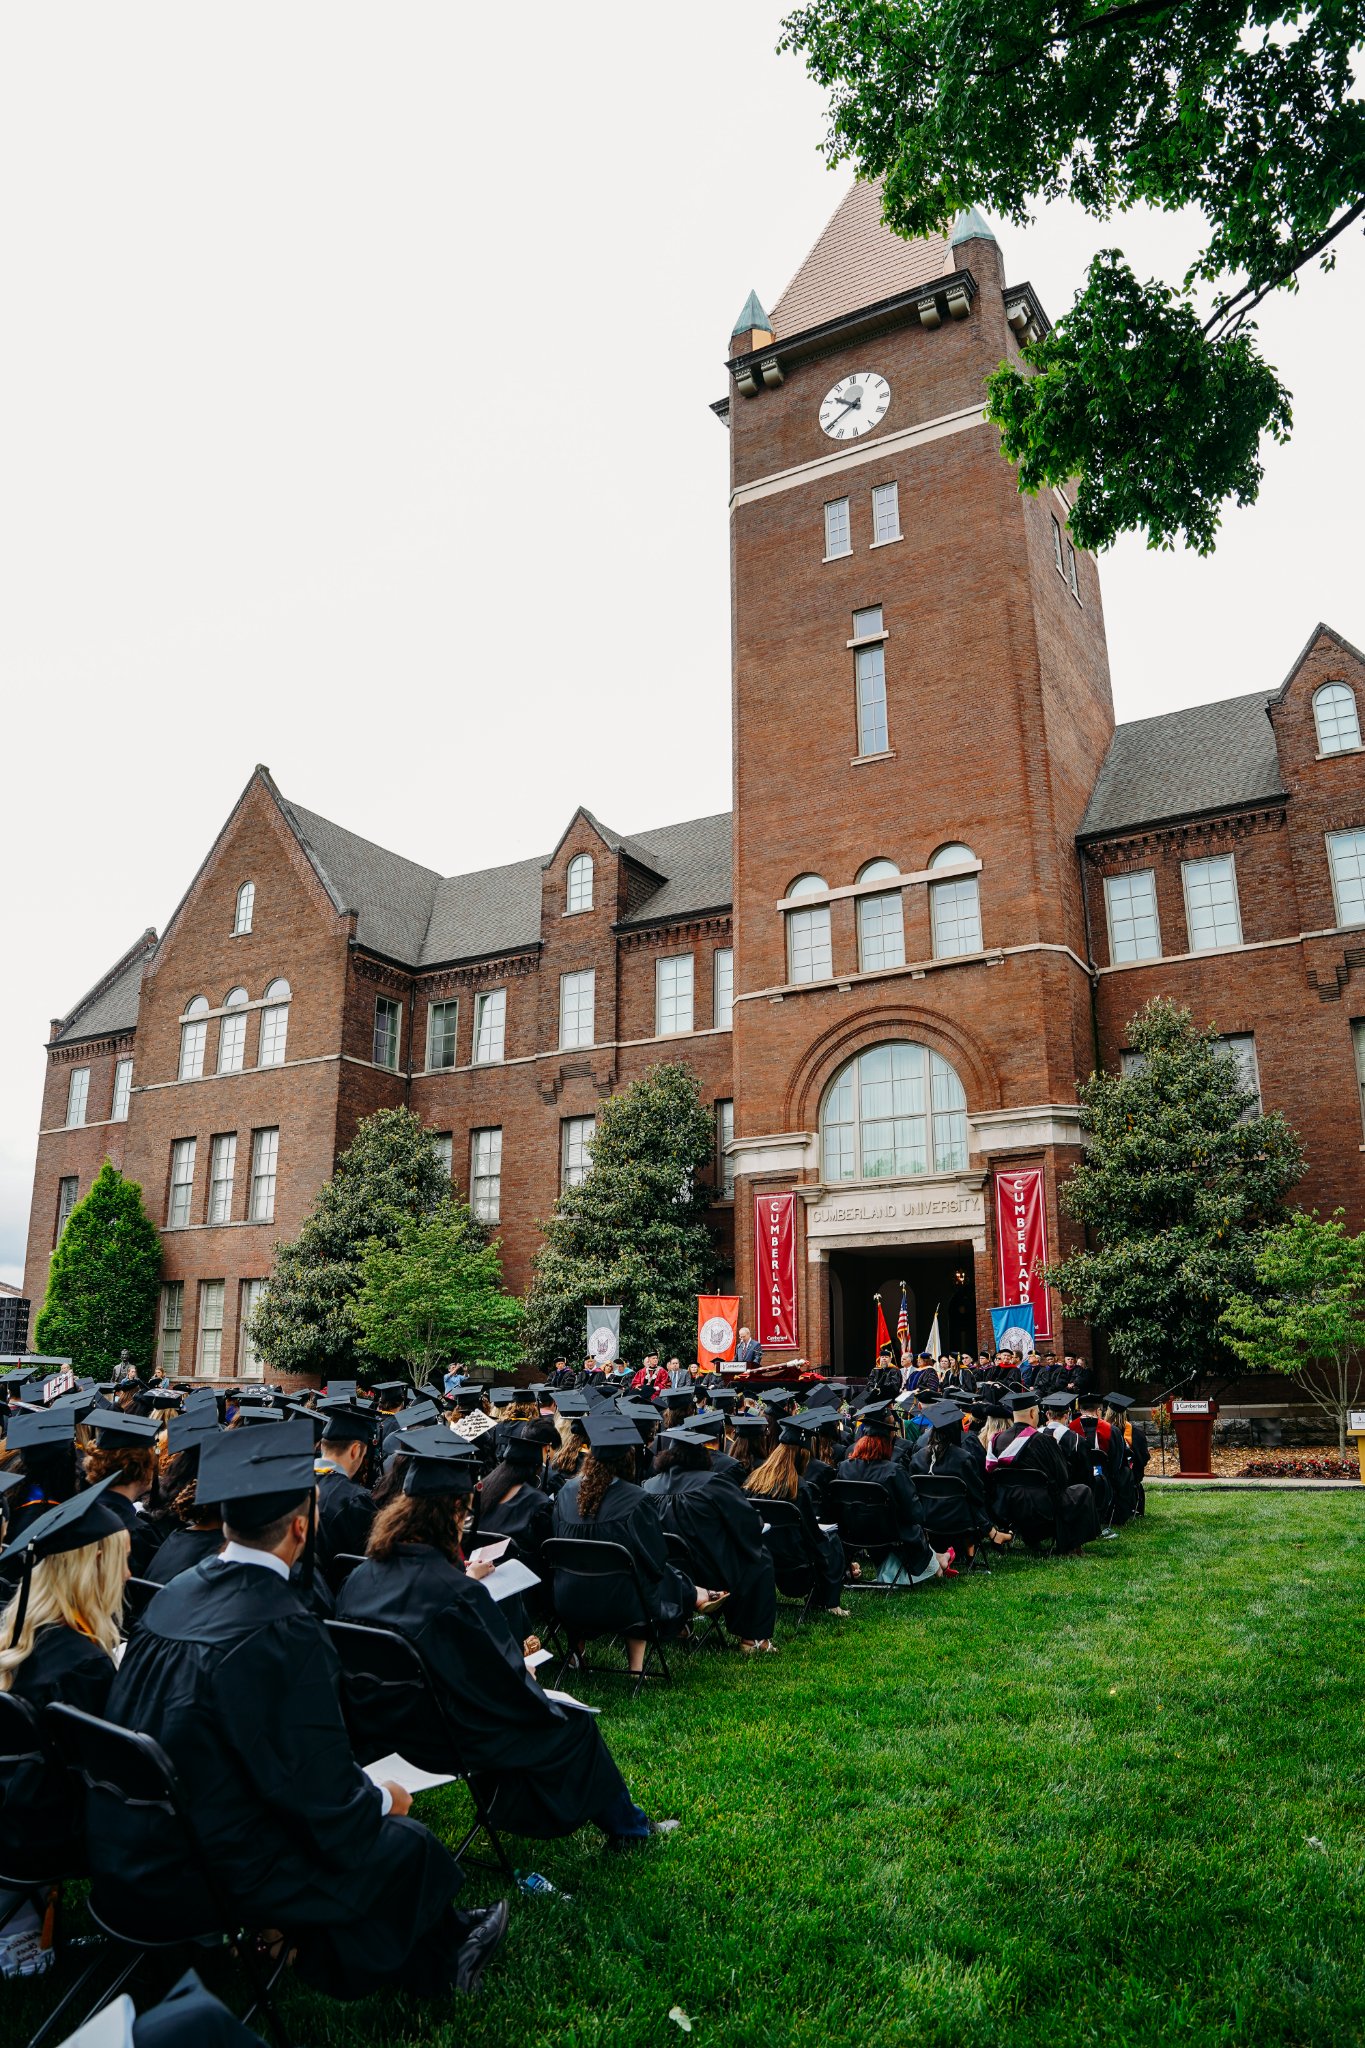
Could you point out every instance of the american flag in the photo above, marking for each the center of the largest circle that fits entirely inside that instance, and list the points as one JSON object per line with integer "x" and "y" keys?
{"x": 903, "y": 1325}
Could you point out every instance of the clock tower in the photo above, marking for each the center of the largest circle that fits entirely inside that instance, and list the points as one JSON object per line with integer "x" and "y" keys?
{"x": 921, "y": 704}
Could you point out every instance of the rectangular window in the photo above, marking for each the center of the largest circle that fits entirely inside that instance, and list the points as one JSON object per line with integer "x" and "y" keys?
{"x": 576, "y": 1134}
{"x": 955, "y": 917}
{"x": 212, "y": 1294}
{"x": 1211, "y": 903}
{"x": 442, "y": 1019}
{"x": 886, "y": 514}
{"x": 490, "y": 1026}
{"x": 1071, "y": 572}
{"x": 867, "y": 624}
{"x": 838, "y": 536}
{"x": 68, "y": 1193}
{"x": 870, "y": 669}
{"x": 725, "y": 1165}
{"x": 172, "y": 1323}
{"x": 77, "y": 1095}
{"x": 809, "y": 957}
{"x": 123, "y": 1089}
{"x": 723, "y": 989}
{"x": 881, "y": 932}
{"x": 265, "y": 1152}
{"x": 1057, "y": 545}
{"x": 1240, "y": 1048}
{"x": 250, "y": 1365}
{"x": 1358, "y": 1041}
{"x": 485, "y": 1174}
{"x": 577, "y": 1001}
{"x": 1346, "y": 852}
{"x": 192, "y": 1040}
{"x": 444, "y": 1142}
{"x": 222, "y": 1168}
{"x": 673, "y": 995}
{"x": 182, "y": 1184}
{"x": 1130, "y": 905}
{"x": 232, "y": 1042}
{"x": 274, "y": 1031}
{"x": 388, "y": 1030}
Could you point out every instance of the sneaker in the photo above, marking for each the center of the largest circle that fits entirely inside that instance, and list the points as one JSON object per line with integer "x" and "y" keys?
{"x": 664, "y": 1827}
{"x": 23, "y": 1955}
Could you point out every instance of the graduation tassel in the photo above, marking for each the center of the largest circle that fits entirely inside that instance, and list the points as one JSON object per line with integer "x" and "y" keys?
{"x": 22, "y": 1609}
{"x": 310, "y": 1547}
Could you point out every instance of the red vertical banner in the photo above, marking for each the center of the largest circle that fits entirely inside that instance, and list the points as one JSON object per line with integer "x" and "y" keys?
{"x": 775, "y": 1268}
{"x": 1021, "y": 1244}
{"x": 717, "y": 1323}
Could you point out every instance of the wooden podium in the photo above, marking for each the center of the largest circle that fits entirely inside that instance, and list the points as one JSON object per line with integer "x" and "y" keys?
{"x": 1193, "y": 1425}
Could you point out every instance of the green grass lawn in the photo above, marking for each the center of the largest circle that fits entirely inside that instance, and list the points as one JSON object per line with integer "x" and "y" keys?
{"x": 1113, "y": 1799}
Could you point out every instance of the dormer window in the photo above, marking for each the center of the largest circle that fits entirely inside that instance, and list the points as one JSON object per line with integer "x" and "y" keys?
{"x": 578, "y": 895}
{"x": 246, "y": 903}
{"x": 1337, "y": 719}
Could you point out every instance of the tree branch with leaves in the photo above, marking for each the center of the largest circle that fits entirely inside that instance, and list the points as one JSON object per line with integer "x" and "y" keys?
{"x": 1304, "y": 1317}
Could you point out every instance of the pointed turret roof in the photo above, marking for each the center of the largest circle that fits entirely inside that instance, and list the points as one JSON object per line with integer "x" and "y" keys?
{"x": 857, "y": 262}
{"x": 751, "y": 315}
{"x": 970, "y": 226}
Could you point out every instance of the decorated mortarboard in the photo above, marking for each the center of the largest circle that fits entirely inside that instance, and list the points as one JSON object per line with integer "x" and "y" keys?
{"x": 257, "y": 1474}
{"x": 41, "y": 1428}
{"x": 164, "y": 1397}
{"x": 472, "y": 1425}
{"x": 571, "y": 1402}
{"x": 608, "y": 1431}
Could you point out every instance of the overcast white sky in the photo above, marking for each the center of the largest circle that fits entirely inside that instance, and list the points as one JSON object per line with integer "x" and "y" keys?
{"x": 353, "y": 418}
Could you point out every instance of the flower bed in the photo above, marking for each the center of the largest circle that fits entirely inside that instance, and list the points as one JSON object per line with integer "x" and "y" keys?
{"x": 1323, "y": 1467}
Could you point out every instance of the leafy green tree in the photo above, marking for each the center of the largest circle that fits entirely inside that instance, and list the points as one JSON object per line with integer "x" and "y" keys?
{"x": 634, "y": 1231}
{"x": 103, "y": 1283}
{"x": 1306, "y": 1315}
{"x": 435, "y": 1294}
{"x": 1241, "y": 114}
{"x": 1181, "y": 1183}
{"x": 388, "y": 1174}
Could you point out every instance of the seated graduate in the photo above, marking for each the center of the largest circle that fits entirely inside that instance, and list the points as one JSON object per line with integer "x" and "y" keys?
{"x": 1032, "y": 1491}
{"x": 943, "y": 1452}
{"x": 602, "y": 1503}
{"x": 571, "y": 1412}
{"x": 871, "y": 1460}
{"x": 512, "y": 1501}
{"x": 44, "y": 1439}
{"x": 723, "y": 1531}
{"x": 709, "y": 1425}
{"x": 513, "y": 1405}
{"x": 59, "y": 1632}
{"x": 341, "y": 1466}
{"x": 124, "y": 1451}
{"x": 782, "y": 1476}
{"x": 543, "y": 1767}
{"x": 1116, "y": 1407}
{"x": 746, "y": 1443}
{"x": 231, "y": 1672}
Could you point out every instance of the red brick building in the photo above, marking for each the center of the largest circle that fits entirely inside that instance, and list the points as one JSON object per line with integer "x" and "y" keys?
{"x": 947, "y": 883}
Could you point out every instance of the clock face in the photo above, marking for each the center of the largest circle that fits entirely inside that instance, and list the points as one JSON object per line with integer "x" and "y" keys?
{"x": 855, "y": 406}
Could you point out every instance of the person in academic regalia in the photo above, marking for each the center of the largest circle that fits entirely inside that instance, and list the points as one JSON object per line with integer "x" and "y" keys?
{"x": 1117, "y": 1406}
{"x": 59, "y": 1632}
{"x": 235, "y": 1678}
{"x": 783, "y": 1475}
{"x": 44, "y": 1440}
{"x": 191, "y": 1529}
{"x": 1122, "y": 1471}
{"x": 746, "y": 1443}
{"x": 871, "y": 1460}
{"x": 511, "y": 1500}
{"x": 543, "y": 1767}
{"x": 124, "y": 1450}
{"x": 709, "y": 1425}
{"x": 1034, "y": 1494}
{"x": 603, "y": 1504}
{"x": 942, "y": 1453}
{"x": 826, "y": 1454}
{"x": 1056, "y": 1410}
{"x": 723, "y": 1531}
{"x": 346, "y": 1508}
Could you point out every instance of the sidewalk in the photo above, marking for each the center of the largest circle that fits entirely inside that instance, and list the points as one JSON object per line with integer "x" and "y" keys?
{"x": 1253, "y": 1485}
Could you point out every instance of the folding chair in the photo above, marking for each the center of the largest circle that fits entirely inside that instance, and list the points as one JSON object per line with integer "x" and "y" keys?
{"x": 21, "y": 1744}
{"x": 704, "y": 1626}
{"x": 390, "y": 1703}
{"x": 795, "y": 1571}
{"x": 138, "y": 1595}
{"x": 589, "y": 1576}
{"x": 867, "y": 1524}
{"x": 948, "y": 1517}
{"x": 341, "y": 1566}
{"x": 136, "y": 1771}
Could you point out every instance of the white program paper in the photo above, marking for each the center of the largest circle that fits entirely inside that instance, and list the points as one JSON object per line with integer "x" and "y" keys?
{"x": 396, "y": 1770}
{"x": 508, "y": 1578}
{"x": 566, "y": 1699}
{"x": 490, "y": 1552}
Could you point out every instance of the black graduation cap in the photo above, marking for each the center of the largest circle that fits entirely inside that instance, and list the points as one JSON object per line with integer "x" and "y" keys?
{"x": 42, "y": 1428}
{"x": 468, "y": 1398}
{"x": 749, "y": 1425}
{"x": 710, "y": 1427}
{"x": 418, "y": 1413}
{"x": 317, "y": 1423}
{"x": 776, "y": 1397}
{"x": 342, "y": 1424}
{"x": 255, "y": 1415}
{"x": 434, "y": 1437}
{"x": 684, "y": 1436}
{"x": 571, "y": 1403}
{"x": 1120, "y": 1401}
{"x": 341, "y": 1390}
{"x": 608, "y": 1431}
{"x": 537, "y": 1391}
{"x": 638, "y": 1411}
{"x": 431, "y": 1472}
{"x": 944, "y": 1415}
{"x": 1059, "y": 1401}
{"x": 72, "y": 1524}
{"x": 117, "y": 1432}
{"x": 725, "y": 1398}
{"x": 1019, "y": 1402}
{"x": 678, "y": 1397}
{"x": 872, "y": 1411}
{"x": 255, "y": 1476}
{"x": 797, "y": 1429}
{"x": 503, "y": 1397}
{"x": 192, "y": 1429}
{"x": 164, "y": 1397}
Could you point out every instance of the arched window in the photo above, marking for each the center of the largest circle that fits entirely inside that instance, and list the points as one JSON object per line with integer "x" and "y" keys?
{"x": 246, "y": 903}
{"x": 198, "y": 1006}
{"x": 274, "y": 1024}
{"x": 232, "y": 1033}
{"x": 954, "y": 907}
{"x": 278, "y": 991}
{"x": 1336, "y": 718}
{"x": 881, "y": 920}
{"x": 895, "y": 1109}
{"x": 234, "y": 998}
{"x": 579, "y": 893}
{"x": 808, "y": 945}
{"x": 194, "y": 1033}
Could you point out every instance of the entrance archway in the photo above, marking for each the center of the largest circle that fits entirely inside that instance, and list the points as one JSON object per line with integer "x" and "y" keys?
{"x": 938, "y": 1277}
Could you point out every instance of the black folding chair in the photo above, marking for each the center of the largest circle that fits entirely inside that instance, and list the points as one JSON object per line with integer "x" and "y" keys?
{"x": 340, "y": 1567}
{"x": 949, "y": 1519}
{"x": 136, "y": 1772}
{"x": 794, "y": 1570}
{"x": 391, "y": 1704}
{"x": 138, "y": 1595}
{"x": 868, "y": 1528}
{"x": 22, "y": 1747}
{"x": 588, "y": 1575}
{"x": 704, "y": 1626}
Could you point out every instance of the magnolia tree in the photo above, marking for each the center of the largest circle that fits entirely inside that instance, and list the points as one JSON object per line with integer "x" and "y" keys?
{"x": 1305, "y": 1315}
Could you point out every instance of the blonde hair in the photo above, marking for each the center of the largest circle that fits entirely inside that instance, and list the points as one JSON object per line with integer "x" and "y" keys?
{"x": 82, "y": 1589}
{"x": 779, "y": 1473}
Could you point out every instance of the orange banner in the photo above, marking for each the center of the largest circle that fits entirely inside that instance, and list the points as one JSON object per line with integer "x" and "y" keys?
{"x": 717, "y": 1322}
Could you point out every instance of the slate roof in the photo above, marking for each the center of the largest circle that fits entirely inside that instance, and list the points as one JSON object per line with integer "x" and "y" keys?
{"x": 857, "y": 262}
{"x": 1210, "y": 757}
{"x": 111, "y": 1005}
{"x": 393, "y": 897}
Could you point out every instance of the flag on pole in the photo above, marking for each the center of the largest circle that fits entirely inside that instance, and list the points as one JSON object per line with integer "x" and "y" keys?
{"x": 903, "y": 1326}
{"x": 933, "y": 1344}
{"x": 883, "y": 1334}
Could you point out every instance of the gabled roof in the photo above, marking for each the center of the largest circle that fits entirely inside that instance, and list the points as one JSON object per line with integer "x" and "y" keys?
{"x": 111, "y": 1005}
{"x": 694, "y": 858}
{"x": 1321, "y": 631}
{"x": 1210, "y": 757}
{"x": 494, "y": 911}
{"x": 392, "y": 897}
{"x": 857, "y": 262}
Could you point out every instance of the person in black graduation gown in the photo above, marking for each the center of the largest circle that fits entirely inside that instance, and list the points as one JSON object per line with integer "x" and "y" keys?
{"x": 783, "y": 1475}
{"x": 512, "y": 1500}
{"x": 235, "y": 1678}
{"x": 544, "y": 1768}
{"x": 1033, "y": 1493}
{"x": 942, "y": 1452}
{"x": 346, "y": 1508}
{"x": 1134, "y": 1436}
{"x": 723, "y": 1531}
{"x": 59, "y": 1632}
{"x": 602, "y": 1503}
{"x": 44, "y": 1440}
{"x": 124, "y": 1450}
{"x": 871, "y": 1460}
